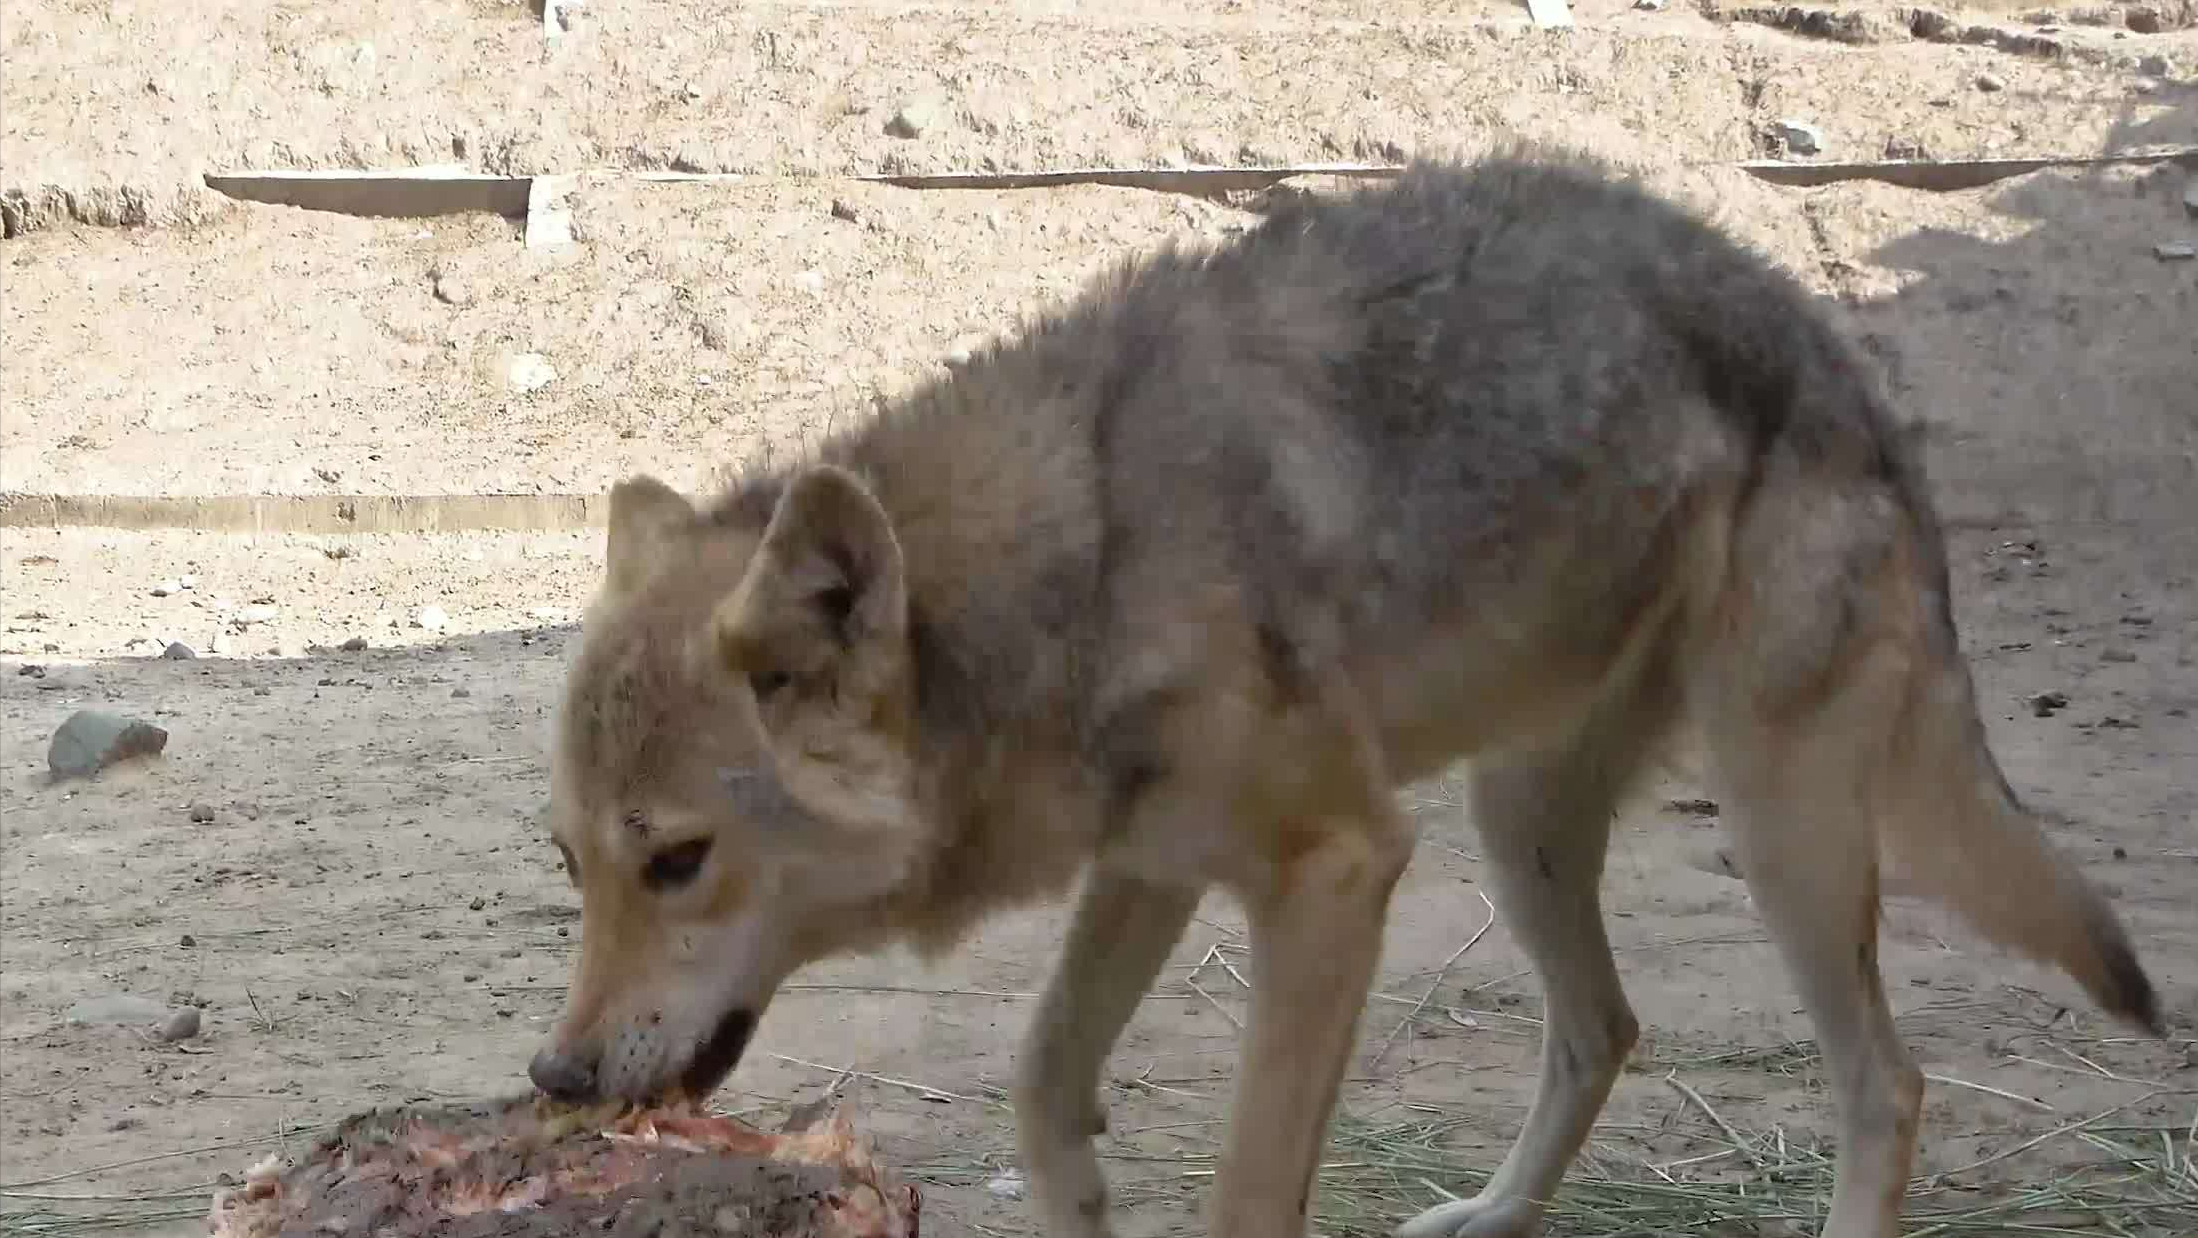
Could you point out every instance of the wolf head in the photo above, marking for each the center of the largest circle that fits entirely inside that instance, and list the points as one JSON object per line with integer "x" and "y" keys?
{"x": 732, "y": 785}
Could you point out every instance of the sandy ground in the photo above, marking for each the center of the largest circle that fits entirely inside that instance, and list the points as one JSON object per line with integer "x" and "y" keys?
{"x": 338, "y": 863}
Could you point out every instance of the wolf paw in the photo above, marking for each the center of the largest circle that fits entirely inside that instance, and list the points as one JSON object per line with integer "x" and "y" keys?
{"x": 1476, "y": 1218}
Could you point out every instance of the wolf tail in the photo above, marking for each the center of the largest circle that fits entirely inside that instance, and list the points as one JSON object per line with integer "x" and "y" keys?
{"x": 1957, "y": 831}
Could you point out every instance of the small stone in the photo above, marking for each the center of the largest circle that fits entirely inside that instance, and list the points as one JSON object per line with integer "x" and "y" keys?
{"x": 1898, "y": 147}
{"x": 843, "y": 209}
{"x": 31, "y": 670}
{"x": 430, "y": 618}
{"x": 478, "y": 904}
{"x": 263, "y": 691}
{"x": 530, "y": 371}
{"x": 2121, "y": 853}
{"x": 2174, "y": 251}
{"x": 2156, "y": 66}
{"x": 2117, "y": 655}
{"x": 256, "y": 613}
{"x": 1649, "y": 6}
{"x": 91, "y": 740}
{"x": 177, "y": 651}
{"x": 1799, "y": 137}
{"x": 2190, "y": 198}
{"x": 452, "y": 288}
{"x": 1989, "y": 84}
{"x": 182, "y": 1025}
{"x": 909, "y": 120}
{"x": 203, "y": 814}
{"x": 188, "y": 581}
{"x": 2144, "y": 20}
{"x": 2046, "y": 704}
{"x": 167, "y": 588}
{"x": 460, "y": 693}
{"x": 187, "y": 941}
{"x": 354, "y": 645}
{"x": 1006, "y": 1186}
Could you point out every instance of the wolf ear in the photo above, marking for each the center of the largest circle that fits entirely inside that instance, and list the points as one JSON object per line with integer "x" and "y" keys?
{"x": 643, "y": 509}
{"x": 826, "y": 585}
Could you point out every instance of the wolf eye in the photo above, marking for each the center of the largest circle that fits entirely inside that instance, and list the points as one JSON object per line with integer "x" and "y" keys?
{"x": 766, "y": 684}
{"x": 674, "y": 867}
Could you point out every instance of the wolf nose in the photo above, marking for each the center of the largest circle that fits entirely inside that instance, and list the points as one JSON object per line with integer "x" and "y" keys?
{"x": 561, "y": 1076}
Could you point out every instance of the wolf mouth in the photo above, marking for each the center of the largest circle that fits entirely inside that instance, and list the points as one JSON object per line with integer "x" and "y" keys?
{"x": 719, "y": 1054}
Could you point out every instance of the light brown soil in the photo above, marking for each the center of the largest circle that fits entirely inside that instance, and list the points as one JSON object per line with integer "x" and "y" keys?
{"x": 370, "y": 915}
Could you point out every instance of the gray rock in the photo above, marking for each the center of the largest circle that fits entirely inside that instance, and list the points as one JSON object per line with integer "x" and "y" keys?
{"x": 202, "y": 813}
{"x": 92, "y": 739}
{"x": 182, "y": 1025}
{"x": 117, "y": 1008}
{"x": 909, "y": 120}
{"x": 354, "y": 645}
{"x": 1799, "y": 137}
{"x": 177, "y": 651}
{"x": 1990, "y": 84}
{"x": 2174, "y": 251}
{"x": 167, "y": 588}
{"x": 453, "y": 289}
{"x": 460, "y": 693}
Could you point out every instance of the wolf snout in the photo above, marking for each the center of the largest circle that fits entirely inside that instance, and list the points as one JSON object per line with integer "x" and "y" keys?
{"x": 561, "y": 1075}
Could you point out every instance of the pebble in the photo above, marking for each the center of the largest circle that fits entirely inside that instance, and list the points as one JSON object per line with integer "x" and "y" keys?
{"x": 452, "y": 289}
{"x": 1009, "y": 1186}
{"x": 1990, "y": 84}
{"x": 1799, "y": 137}
{"x": 188, "y": 581}
{"x": 182, "y": 1025}
{"x": 909, "y": 120}
{"x": 843, "y": 209}
{"x": 2117, "y": 655}
{"x": 167, "y": 588}
{"x": 2174, "y": 251}
{"x": 256, "y": 613}
{"x": 92, "y": 739}
{"x": 1649, "y": 6}
{"x": 2046, "y": 704}
{"x": 203, "y": 814}
{"x": 530, "y": 371}
{"x": 460, "y": 693}
{"x": 187, "y": 941}
{"x": 177, "y": 651}
{"x": 430, "y": 618}
{"x": 31, "y": 670}
{"x": 354, "y": 645}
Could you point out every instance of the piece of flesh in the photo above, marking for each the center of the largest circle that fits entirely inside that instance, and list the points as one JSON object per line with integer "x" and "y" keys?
{"x": 530, "y": 1168}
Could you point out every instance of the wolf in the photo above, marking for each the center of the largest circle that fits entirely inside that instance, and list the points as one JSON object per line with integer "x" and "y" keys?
{"x": 1507, "y": 461}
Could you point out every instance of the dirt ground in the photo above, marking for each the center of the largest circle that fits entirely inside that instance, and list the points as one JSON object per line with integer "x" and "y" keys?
{"x": 337, "y": 862}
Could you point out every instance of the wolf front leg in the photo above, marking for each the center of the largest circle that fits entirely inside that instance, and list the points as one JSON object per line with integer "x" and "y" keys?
{"x": 1123, "y": 930}
{"x": 1316, "y": 937}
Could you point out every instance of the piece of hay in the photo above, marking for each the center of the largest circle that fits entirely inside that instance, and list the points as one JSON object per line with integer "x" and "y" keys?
{"x": 531, "y": 1168}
